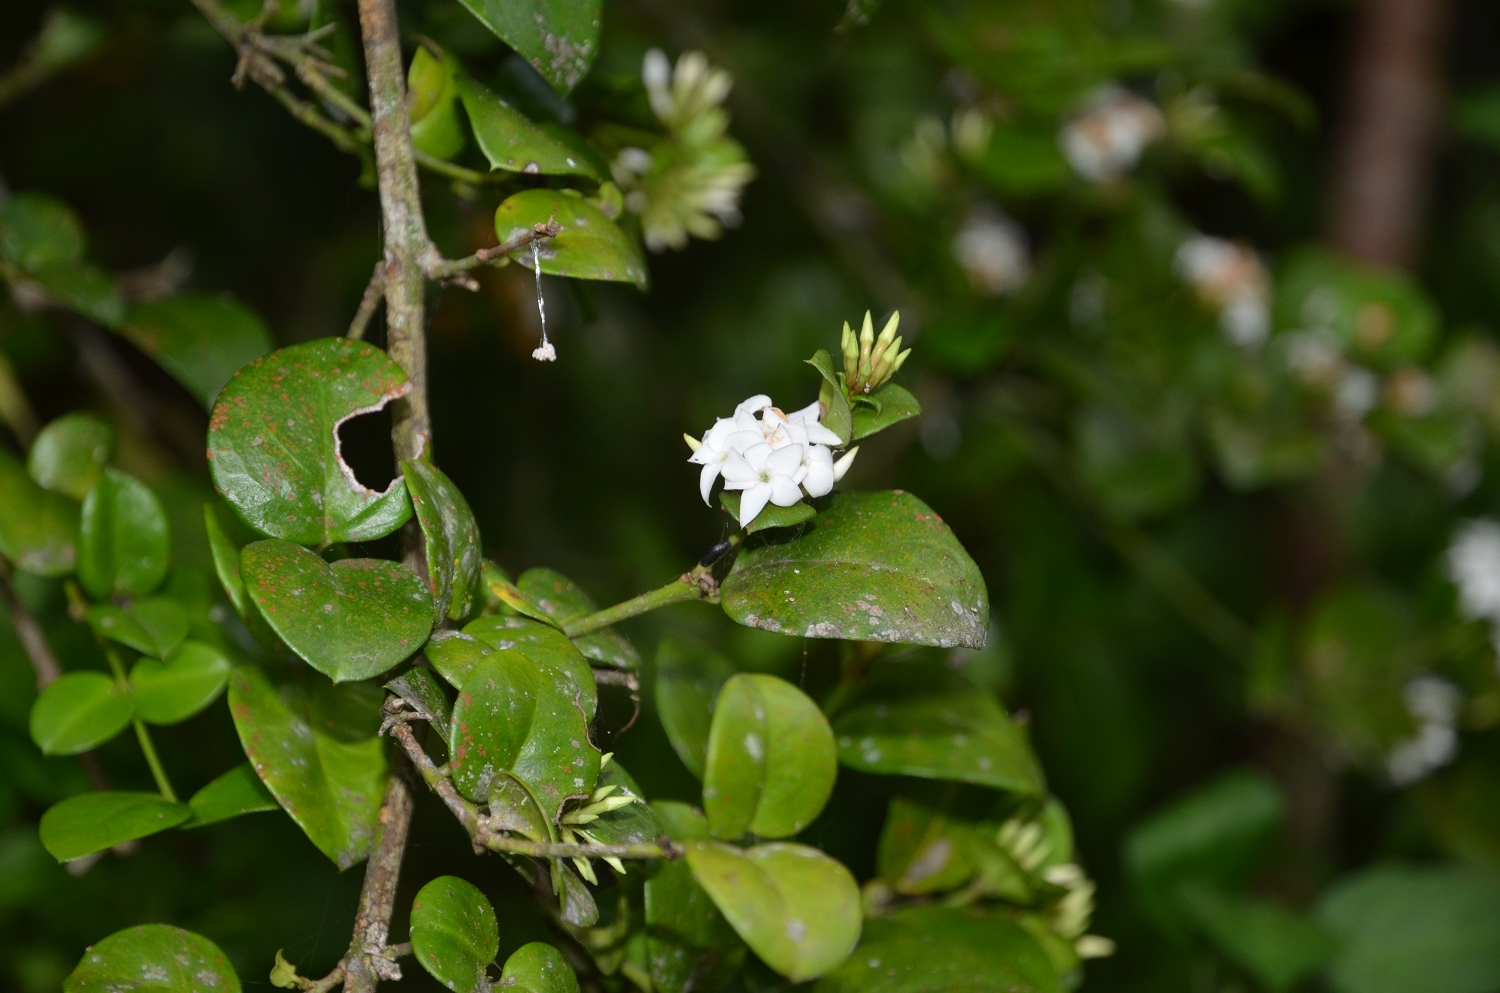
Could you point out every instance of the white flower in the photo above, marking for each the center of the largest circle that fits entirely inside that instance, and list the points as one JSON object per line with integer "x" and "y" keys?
{"x": 817, "y": 460}
{"x": 1435, "y": 703}
{"x": 1474, "y": 567}
{"x": 763, "y": 474}
{"x": 1229, "y": 276}
{"x": 1358, "y": 392}
{"x": 809, "y": 418}
{"x": 1106, "y": 139}
{"x": 992, "y": 250}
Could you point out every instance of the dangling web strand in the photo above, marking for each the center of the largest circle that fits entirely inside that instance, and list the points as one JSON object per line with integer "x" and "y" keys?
{"x": 543, "y": 352}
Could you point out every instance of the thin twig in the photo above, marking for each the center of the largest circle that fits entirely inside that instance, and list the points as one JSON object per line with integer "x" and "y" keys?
{"x": 374, "y": 293}
{"x": 29, "y": 633}
{"x": 442, "y": 269}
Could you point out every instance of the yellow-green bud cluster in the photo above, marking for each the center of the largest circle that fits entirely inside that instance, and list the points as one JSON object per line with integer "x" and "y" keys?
{"x": 870, "y": 361}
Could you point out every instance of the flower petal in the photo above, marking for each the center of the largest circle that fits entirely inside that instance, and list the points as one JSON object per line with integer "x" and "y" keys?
{"x": 784, "y": 492}
{"x": 753, "y": 405}
{"x": 842, "y": 465}
{"x": 784, "y": 461}
{"x": 753, "y": 501}
{"x": 739, "y": 473}
{"x": 706, "y": 478}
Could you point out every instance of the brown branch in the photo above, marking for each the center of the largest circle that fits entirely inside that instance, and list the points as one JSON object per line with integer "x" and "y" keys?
{"x": 29, "y": 633}
{"x": 374, "y": 293}
{"x": 442, "y": 269}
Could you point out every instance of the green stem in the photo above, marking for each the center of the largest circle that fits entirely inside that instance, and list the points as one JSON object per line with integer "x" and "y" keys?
{"x": 679, "y": 590}
{"x": 162, "y": 782}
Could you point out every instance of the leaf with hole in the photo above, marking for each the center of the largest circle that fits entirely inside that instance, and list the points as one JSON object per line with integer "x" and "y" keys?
{"x": 38, "y": 231}
{"x": 330, "y": 785}
{"x": 771, "y": 760}
{"x": 689, "y": 944}
{"x": 564, "y": 601}
{"x": 91, "y": 822}
{"x": 78, "y": 711}
{"x": 350, "y": 620}
{"x": 70, "y": 454}
{"x": 688, "y": 679}
{"x": 512, "y": 142}
{"x": 871, "y": 567}
{"x": 771, "y": 517}
{"x": 560, "y": 38}
{"x": 590, "y": 246}
{"x": 171, "y": 691}
{"x": 123, "y": 539}
{"x": 38, "y": 528}
{"x": 151, "y": 625}
{"x": 420, "y": 690}
{"x": 452, "y": 540}
{"x": 797, "y": 908}
{"x": 512, "y": 718}
{"x": 913, "y": 717}
{"x": 891, "y": 404}
{"x": 454, "y": 933}
{"x": 547, "y": 647}
{"x": 274, "y": 449}
{"x": 202, "y": 339}
{"x": 239, "y": 791}
{"x": 537, "y": 967}
{"x": 153, "y": 957}
{"x": 433, "y": 101}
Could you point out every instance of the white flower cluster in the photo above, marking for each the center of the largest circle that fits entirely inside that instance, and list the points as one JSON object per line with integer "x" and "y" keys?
{"x": 1474, "y": 567}
{"x": 1434, "y": 702}
{"x": 772, "y": 458}
{"x": 1108, "y": 136}
{"x": 993, "y": 251}
{"x": 1229, "y": 276}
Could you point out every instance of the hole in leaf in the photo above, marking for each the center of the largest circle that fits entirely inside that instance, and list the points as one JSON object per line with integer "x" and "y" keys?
{"x": 365, "y": 444}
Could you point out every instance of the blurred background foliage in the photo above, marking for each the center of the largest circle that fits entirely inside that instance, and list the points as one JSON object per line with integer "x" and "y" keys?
{"x": 1215, "y": 465}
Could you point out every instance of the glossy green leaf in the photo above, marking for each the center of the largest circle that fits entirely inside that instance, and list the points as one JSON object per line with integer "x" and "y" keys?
{"x": 575, "y": 900}
{"x": 872, "y": 567}
{"x": 590, "y": 246}
{"x": 1275, "y": 945}
{"x": 123, "y": 538}
{"x": 37, "y": 231}
{"x": 70, "y": 453}
{"x": 918, "y": 852}
{"x": 420, "y": 690}
{"x": 771, "y": 517}
{"x": 202, "y": 339}
{"x": 771, "y": 760}
{"x": 928, "y": 949}
{"x": 153, "y": 957}
{"x": 238, "y": 791}
{"x": 565, "y": 601}
{"x": 152, "y": 625}
{"x": 512, "y": 142}
{"x": 837, "y": 416}
{"x": 353, "y": 619}
{"x": 454, "y": 933}
{"x": 330, "y": 785}
{"x": 452, "y": 538}
{"x": 688, "y": 679}
{"x": 560, "y": 38}
{"x": 91, "y": 822}
{"x": 79, "y": 711}
{"x": 85, "y": 288}
{"x": 226, "y": 555}
{"x": 513, "y": 808}
{"x": 191, "y": 678}
{"x": 512, "y": 717}
{"x": 689, "y": 944}
{"x": 273, "y": 442}
{"x": 797, "y": 908}
{"x": 633, "y": 824}
{"x": 537, "y": 967}
{"x": 38, "y": 528}
{"x": 888, "y": 405}
{"x": 546, "y": 646}
{"x": 433, "y": 100}
{"x": 912, "y": 717}
{"x": 455, "y": 654}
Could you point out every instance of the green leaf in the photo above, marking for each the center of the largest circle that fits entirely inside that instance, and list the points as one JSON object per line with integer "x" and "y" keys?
{"x": 91, "y": 822}
{"x": 331, "y": 787}
{"x": 37, "y": 231}
{"x": 226, "y": 555}
{"x": 872, "y": 567}
{"x": 454, "y": 555}
{"x": 575, "y": 901}
{"x": 190, "y": 679}
{"x": 560, "y": 38}
{"x": 454, "y": 933}
{"x": 565, "y": 601}
{"x": 891, "y": 405}
{"x": 70, "y": 453}
{"x": 797, "y": 908}
{"x": 537, "y": 967}
{"x": 918, "y": 851}
{"x": 771, "y": 517}
{"x": 591, "y": 246}
{"x": 512, "y": 142}
{"x": 154, "y": 957}
{"x": 837, "y": 417}
{"x": 350, "y": 620}
{"x": 239, "y": 791}
{"x": 202, "y": 339}
{"x": 38, "y": 528}
{"x": 455, "y": 654}
{"x": 912, "y": 717}
{"x": 547, "y": 647}
{"x": 85, "y": 288}
{"x": 513, "y": 808}
{"x": 771, "y": 760}
{"x": 123, "y": 539}
{"x": 633, "y": 824}
{"x": 689, "y": 944}
{"x": 1274, "y": 945}
{"x": 928, "y": 949}
{"x": 433, "y": 99}
{"x": 420, "y": 689}
{"x": 688, "y": 679}
{"x": 152, "y": 625}
{"x": 1405, "y": 929}
{"x": 274, "y": 450}
{"x": 79, "y": 711}
{"x": 512, "y": 717}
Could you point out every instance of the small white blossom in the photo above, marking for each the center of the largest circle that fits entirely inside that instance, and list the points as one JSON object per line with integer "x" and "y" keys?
{"x": 764, "y": 474}
{"x": 1229, "y": 276}
{"x": 992, "y": 250}
{"x": 1474, "y": 567}
{"x": 1435, "y": 704}
{"x": 1107, "y": 137}
{"x": 1358, "y": 392}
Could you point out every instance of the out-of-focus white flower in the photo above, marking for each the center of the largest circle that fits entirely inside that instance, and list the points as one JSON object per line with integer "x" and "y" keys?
{"x": 1474, "y": 567}
{"x": 1229, "y": 276}
{"x": 1107, "y": 137}
{"x": 993, "y": 251}
{"x": 1315, "y": 356}
{"x": 1435, "y": 703}
{"x": 1357, "y": 393}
